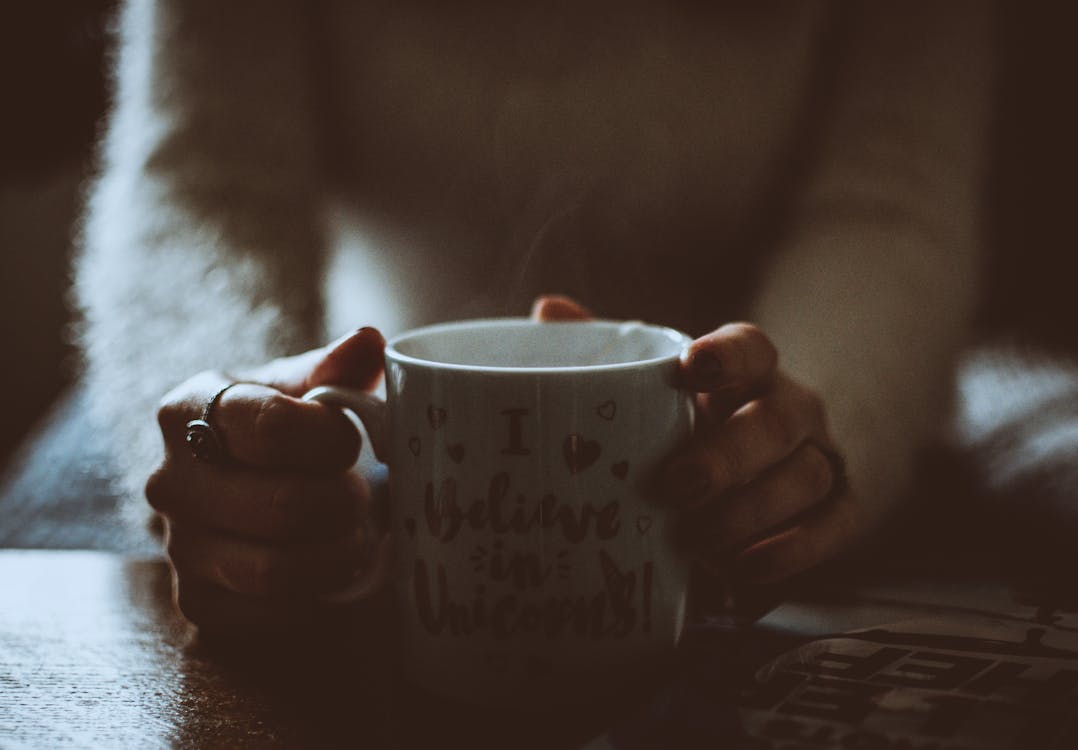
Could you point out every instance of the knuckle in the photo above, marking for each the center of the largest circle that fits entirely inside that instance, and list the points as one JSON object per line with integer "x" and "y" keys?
{"x": 738, "y": 345}
{"x": 164, "y": 414}
{"x": 156, "y": 490}
{"x": 760, "y": 342}
{"x": 170, "y": 412}
{"x": 176, "y": 406}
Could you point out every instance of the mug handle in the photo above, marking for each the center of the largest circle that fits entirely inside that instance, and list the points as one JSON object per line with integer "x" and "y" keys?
{"x": 371, "y": 411}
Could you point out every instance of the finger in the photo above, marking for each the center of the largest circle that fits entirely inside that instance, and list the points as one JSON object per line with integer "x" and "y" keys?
{"x": 256, "y": 568}
{"x": 355, "y": 361}
{"x": 759, "y": 435}
{"x": 554, "y": 307}
{"x": 262, "y": 427}
{"x": 729, "y": 524}
{"x": 216, "y": 609}
{"x": 735, "y": 357}
{"x": 260, "y": 506}
{"x": 715, "y": 408}
{"x": 820, "y": 535}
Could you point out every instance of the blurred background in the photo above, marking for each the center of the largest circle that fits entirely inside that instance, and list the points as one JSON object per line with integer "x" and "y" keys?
{"x": 55, "y": 97}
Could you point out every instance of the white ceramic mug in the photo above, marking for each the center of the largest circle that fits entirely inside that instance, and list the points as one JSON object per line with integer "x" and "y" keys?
{"x": 529, "y": 561}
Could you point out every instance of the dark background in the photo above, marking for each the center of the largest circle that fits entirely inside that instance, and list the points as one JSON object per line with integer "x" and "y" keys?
{"x": 52, "y": 104}
{"x": 53, "y": 98}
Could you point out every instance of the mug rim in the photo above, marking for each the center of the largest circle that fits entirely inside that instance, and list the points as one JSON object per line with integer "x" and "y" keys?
{"x": 392, "y": 353}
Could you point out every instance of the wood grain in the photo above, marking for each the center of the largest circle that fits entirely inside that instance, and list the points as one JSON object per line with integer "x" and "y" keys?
{"x": 92, "y": 654}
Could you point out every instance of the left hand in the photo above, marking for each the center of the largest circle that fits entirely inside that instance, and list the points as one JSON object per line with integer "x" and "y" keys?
{"x": 761, "y": 482}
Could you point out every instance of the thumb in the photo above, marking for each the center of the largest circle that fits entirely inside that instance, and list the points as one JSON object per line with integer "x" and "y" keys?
{"x": 558, "y": 307}
{"x": 355, "y": 361}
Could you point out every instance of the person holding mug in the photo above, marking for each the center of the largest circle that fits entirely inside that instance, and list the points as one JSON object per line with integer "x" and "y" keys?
{"x": 760, "y": 456}
{"x": 815, "y": 169}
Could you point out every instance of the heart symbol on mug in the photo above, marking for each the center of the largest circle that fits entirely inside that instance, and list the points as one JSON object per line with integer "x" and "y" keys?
{"x": 409, "y": 526}
{"x": 620, "y": 469}
{"x": 414, "y": 444}
{"x": 643, "y": 523}
{"x": 436, "y": 416}
{"x": 456, "y": 452}
{"x": 606, "y": 410}
{"x": 579, "y": 453}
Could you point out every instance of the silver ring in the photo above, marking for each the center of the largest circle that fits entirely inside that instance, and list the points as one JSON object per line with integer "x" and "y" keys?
{"x": 202, "y": 439}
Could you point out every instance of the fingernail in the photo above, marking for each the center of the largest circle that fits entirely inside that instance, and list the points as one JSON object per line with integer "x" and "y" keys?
{"x": 370, "y": 332}
{"x": 706, "y": 367}
{"x": 363, "y": 334}
{"x": 686, "y": 483}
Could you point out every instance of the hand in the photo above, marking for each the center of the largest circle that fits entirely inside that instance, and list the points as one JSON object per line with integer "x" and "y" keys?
{"x": 255, "y": 539}
{"x": 761, "y": 483}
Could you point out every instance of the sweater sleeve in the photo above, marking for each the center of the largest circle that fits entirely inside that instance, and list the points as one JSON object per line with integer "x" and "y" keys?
{"x": 201, "y": 244}
{"x": 872, "y": 293}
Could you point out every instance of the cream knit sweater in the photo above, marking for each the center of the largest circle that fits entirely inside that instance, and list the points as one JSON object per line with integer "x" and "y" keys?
{"x": 276, "y": 173}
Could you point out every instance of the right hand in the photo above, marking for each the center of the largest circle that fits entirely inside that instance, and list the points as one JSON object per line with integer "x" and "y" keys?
{"x": 257, "y": 539}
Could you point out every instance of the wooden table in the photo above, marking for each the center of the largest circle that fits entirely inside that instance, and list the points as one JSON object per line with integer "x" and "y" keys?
{"x": 93, "y": 655}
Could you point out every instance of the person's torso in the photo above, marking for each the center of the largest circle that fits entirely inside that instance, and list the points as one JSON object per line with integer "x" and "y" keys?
{"x": 621, "y": 152}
